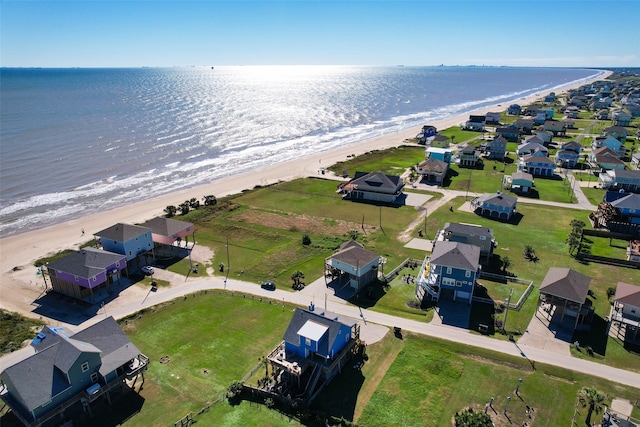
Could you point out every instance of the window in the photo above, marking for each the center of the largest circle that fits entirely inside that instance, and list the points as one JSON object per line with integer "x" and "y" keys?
{"x": 483, "y": 237}
{"x": 94, "y": 377}
{"x": 449, "y": 270}
{"x": 633, "y": 310}
{"x": 467, "y": 273}
{"x": 458, "y": 283}
{"x": 448, "y": 281}
{"x": 85, "y": 367}
{"x": 307, "y": 342}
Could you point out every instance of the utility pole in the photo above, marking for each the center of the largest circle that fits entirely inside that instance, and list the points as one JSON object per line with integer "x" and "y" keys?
{"x": 506, "y": 311}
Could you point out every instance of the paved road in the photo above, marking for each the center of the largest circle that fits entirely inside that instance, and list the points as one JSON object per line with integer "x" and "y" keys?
{"x": 317, "y": 292}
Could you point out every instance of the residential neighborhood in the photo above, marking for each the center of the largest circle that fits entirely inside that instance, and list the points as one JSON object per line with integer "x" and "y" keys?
{"x": 462, "y": 243}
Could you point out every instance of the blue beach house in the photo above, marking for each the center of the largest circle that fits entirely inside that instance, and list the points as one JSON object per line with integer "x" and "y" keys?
{"x": 495, "y": 205}
{"x": 315, "y": 348}
{"x": 131, "y": 241}
{"x": 317, "y": 334}
{"x": 450, "y": 272}
{"x": 67, "y": 370}
{"x": 442, "y": 154}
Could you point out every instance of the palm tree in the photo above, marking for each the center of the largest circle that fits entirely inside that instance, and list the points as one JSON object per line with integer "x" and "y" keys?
{"x": 194, "y": 203}
{"x": 170, "y": 211}
{"x": 210, "y": 200}
{"x": 184, "y": 207}
{"x": 592, "y": 398}
{"x": 296, "y": 276}
{"x": 506, "y": 263}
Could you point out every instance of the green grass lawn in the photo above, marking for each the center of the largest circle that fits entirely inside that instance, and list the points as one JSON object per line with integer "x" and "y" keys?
{"x": 430, "y": 380}
{"x": 551, "y": 251}
{"x": 394, "y": 161}
{"x": 264, "y": 228}
{"x": 216, "y": 338}
{"x": 212, "y": 339}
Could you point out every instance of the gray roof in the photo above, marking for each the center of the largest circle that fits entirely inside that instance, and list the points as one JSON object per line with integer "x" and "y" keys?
{"x": 114, "y": 345}
{"x": 86, "y": 262}
{"x": 627, "y": 173}
{"x": 42, "y": 375}
{"x": 456, "y": 255}
{"x": 331, "y": 320}
{"x": 468, "y": 229}
{"x": 355, "y": 256}
{"x": 567, "y": 284}
{"x": 498, "y": 199}
{"x": 519, "y": 175}
{"x": 630, "y": 201}
{"x": 122, "y": 232}
{"x": 538, "y": 159}
{"x": 376, "y": 180}
{"x": 167, "y": 226}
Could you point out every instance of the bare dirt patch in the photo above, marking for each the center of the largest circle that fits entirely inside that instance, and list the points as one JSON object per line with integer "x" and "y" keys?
{"x": 304, "y": 223}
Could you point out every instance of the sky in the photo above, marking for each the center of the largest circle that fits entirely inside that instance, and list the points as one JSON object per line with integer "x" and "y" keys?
{"x": 88, "y": 33}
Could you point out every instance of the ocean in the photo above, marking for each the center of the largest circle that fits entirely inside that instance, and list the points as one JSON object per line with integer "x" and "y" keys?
{"x": 80, "y": 141}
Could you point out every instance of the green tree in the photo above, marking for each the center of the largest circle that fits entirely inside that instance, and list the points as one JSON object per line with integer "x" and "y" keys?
{"x": 593, "y": 399}
{"x": 194, "y": 203}
{"x": 184, "y": 207}
{"x": 297, "y": 277}
{"x": 210, "y": 200}
{"x": 506, "y": 263}
{"x": 170, "y": 211}
{"x": 471, "y": 418}
{"x": 575, "y": 235}
{"x": 306, "y": 240}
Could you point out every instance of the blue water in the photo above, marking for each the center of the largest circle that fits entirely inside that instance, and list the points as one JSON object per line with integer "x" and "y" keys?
{"x": 77, "y": 141}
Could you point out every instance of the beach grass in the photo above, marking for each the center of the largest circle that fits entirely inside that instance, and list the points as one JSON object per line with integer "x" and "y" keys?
{"x": 395, "y": 161}
{"x": 15, "y": 329}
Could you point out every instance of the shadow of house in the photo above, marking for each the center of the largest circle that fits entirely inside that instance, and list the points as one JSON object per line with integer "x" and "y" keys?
{"x": 563, "y": 297}
{"x": 87, "y": 274}
{"x": 70, "y": 370}
{"x": 316, "y": 346}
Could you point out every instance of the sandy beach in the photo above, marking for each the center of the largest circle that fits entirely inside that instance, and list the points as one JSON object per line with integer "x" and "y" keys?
{"x": 19, "y": 285}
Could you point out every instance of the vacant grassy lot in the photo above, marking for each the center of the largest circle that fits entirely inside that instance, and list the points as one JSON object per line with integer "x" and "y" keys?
{"x": 216, "y": 338}
{"x": 393, "y": 161}
{"x": 430, "y": 380}
{"x": 212, "y": 340}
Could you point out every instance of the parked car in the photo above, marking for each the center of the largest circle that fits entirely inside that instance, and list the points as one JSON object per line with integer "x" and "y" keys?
{"x": 270, "y": 286}
{"x": 147, "y": 270}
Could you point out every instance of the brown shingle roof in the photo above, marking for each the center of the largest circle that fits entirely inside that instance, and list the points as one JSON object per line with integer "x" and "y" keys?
{"x": 567, "y": 284}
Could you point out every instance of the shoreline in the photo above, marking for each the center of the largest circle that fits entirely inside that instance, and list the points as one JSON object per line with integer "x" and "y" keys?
{"x": 19, "y": 251}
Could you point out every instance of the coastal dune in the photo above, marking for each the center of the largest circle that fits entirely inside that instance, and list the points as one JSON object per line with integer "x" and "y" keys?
{"x": 20, "y": 286}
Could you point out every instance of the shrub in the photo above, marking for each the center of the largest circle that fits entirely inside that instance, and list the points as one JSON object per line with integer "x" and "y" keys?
{"x": 306, "y": 240}
{"x": 471, "y": 418}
